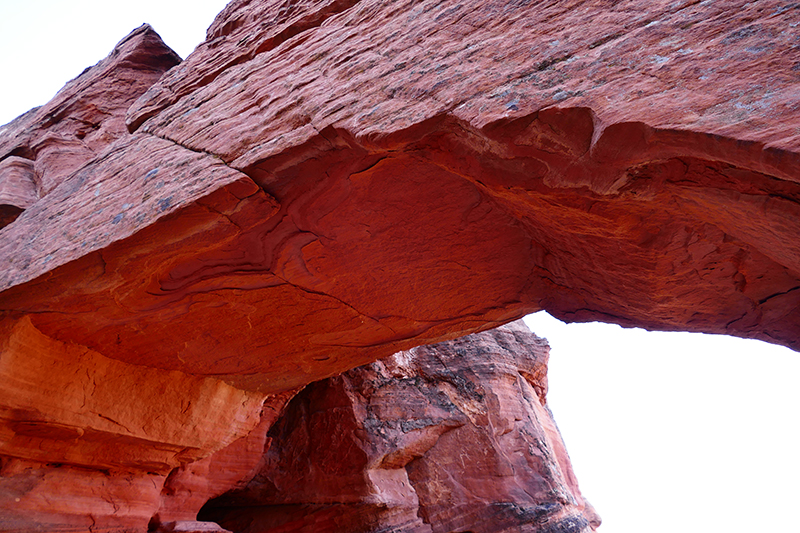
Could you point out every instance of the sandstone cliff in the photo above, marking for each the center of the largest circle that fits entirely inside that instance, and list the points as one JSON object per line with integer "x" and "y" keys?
{"x": 454, "y": 436}
{"x": 324, "y": 183}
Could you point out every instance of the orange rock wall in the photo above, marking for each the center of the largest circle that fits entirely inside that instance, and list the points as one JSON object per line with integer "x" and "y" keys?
{"x": 87, "y": 440}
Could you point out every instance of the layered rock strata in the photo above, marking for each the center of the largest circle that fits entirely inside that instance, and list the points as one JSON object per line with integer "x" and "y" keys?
{"x": 307, "y": 169}
{"x": 43, "y": 147}
{"x": 87, "y": 442}
{"x": 17, "y": 188}
{"x": 324, "y": 183}
{"x": 448, "y": 437}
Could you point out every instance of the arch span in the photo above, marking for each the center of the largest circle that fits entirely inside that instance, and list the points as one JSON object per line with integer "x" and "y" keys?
{"x": 318, "y": 187}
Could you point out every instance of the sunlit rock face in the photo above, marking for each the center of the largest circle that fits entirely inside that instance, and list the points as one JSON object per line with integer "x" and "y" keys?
{"x": 454, "y": 436}
{"x": 323, "y": 184}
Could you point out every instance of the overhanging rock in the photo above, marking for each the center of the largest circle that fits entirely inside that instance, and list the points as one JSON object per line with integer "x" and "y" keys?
{"x": 321, "y": 185}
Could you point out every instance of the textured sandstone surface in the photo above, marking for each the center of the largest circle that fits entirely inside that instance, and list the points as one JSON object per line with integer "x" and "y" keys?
{"x": 41, "y": 148}
{"x": 454, "y": 436}
{"x": 191, "y": 485}
{"x": 89, "y": 441}
{"x": 323, "y": 183}
{"x": 87, "y": 114}
{"x": 17, "y": 188}
{"x": 382, "y": 175}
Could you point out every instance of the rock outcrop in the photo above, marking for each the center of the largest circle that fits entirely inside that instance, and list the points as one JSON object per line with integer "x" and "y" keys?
{"x": 87, "y": 442}
{"x": 43, "y": 147}
{"x": 324, "y": 183}
{"x": 454, "y": 436}
{"x": 330, "y": 158}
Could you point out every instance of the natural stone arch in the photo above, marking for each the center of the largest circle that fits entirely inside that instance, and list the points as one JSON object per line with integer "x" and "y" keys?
{"x": 310, "y": 194}
{"x": 336, "y": 253}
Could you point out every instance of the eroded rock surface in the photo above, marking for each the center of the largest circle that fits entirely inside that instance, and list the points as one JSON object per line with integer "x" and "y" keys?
{"x": 192, "y": 484}
{"x": 87, "y": 441}
{"x": 41, "y": 148}
{"x": 88, "y": 114}
{"x": 454, "y": 436}
{"x": 17, "y": 188}
{"x": 322, "y": 184}
{"x": 490, "y": 160}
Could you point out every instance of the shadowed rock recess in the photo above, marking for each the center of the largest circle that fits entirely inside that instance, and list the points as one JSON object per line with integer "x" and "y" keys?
{"x": 321, "y": 184}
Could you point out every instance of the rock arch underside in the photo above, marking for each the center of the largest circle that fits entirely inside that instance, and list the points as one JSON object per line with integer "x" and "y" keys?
{"x": 322, "y": 184}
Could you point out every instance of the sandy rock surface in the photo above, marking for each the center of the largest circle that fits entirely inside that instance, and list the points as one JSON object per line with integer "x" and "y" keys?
{"x": 322, "y": 184}
{"x": 454, "y": 436}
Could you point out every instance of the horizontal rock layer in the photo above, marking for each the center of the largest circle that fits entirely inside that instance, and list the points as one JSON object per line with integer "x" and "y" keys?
{"x": 89, "y": 441}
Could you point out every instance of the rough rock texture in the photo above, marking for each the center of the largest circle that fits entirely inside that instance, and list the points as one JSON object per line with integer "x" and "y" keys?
{"x": 191, "y": 485}
{"x": 490, "y": 159}
{"x": 17, "y": 188}
{"x": 448, "y": 437}
{"x": 41, "y": 148}
{"x": 89, "y": 441}
{"x": 324, "y": 183}
{"x": 88, "y": 114}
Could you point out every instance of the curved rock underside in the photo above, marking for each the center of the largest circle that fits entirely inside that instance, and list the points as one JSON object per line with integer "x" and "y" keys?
{"x": 324, "y": 183}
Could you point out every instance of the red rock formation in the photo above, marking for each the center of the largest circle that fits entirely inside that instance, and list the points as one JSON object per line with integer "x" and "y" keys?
{"x": 491, "y": 168}
{"x": 17, "y": 188}
{"x": 88, "y": 114}
{"x": 322, "y": 184}
{"x": 191, "y": 485}
{"x": 44, "y": 146}
{"x": 89, "y": 441}
{"x": 448, "y": 437}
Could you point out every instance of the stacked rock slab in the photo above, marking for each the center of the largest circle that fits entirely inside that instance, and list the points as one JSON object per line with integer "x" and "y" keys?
{"x": 454, "y": 436}
{"x": 43, "y": 147}
{"x": 322, "y": 184}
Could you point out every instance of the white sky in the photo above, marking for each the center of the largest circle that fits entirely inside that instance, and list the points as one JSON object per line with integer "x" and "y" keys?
{"x": 45, "y": 43}
{"x": 667, "y": 432}
{"x": 677, "y": 432}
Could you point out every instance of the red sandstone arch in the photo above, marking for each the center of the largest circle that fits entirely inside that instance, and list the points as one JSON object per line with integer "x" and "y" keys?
{"x": 336, "y": 253}
{"x": 304, "y": 196}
